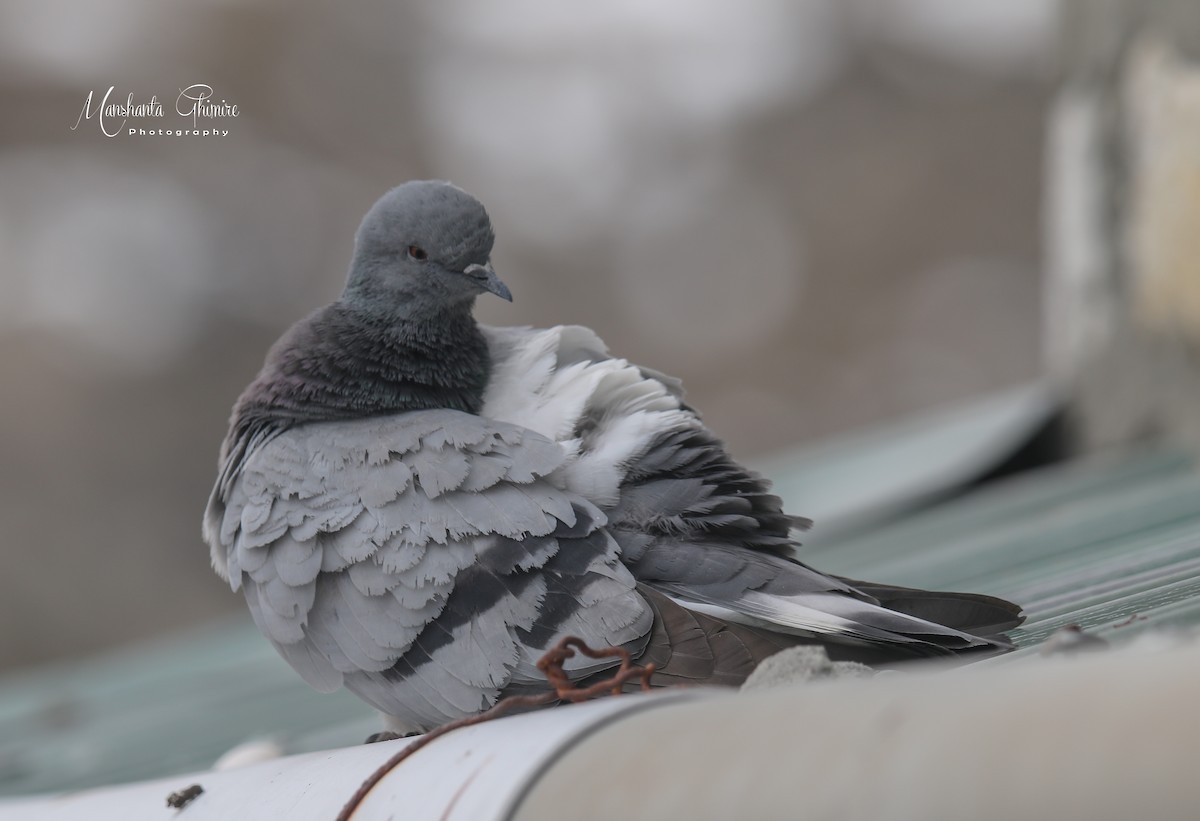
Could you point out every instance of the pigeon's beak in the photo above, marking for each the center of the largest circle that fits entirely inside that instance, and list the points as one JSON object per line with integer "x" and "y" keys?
{"x": 488, "y": 279}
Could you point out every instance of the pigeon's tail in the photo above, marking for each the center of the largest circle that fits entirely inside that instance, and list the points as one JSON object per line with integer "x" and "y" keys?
{"x": 985, "y": 616}
{"x": 693, "y": 647}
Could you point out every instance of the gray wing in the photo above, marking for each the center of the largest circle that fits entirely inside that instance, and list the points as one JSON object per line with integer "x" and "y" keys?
{"x": 423, "y": 560}
{"x": 691, "y": 522}
{"x": 697, "y": 526}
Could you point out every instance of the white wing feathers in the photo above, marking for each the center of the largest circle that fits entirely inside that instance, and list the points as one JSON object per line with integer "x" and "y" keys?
{"x": 604, "y": 412}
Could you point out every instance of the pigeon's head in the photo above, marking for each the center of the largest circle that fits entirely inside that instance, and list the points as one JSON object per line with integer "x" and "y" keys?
{"x": 423, "y": 245}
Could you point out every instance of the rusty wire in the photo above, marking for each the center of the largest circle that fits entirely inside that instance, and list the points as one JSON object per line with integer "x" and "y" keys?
{"x": 551, "y": 664}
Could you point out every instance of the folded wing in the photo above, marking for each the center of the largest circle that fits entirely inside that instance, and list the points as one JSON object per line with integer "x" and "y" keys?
{"x": 424, "y": 559}
{"x": 690, "y": 521}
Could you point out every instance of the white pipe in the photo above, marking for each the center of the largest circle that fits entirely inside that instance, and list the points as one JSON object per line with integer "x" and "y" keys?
{"x": 1112, "y": 735}
{"x": 472, "y": 774}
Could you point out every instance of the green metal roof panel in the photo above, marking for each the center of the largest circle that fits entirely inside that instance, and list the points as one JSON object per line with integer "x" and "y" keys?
{"x": 1094, "y": 543}
{"x": 861, "y": 478}
{"x": 166, "y": 707}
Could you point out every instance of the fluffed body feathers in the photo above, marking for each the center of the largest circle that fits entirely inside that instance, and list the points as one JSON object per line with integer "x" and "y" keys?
{"x": 416, "y": 507}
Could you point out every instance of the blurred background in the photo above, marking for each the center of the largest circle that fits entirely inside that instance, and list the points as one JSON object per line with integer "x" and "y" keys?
{"x": 822, "y": 215}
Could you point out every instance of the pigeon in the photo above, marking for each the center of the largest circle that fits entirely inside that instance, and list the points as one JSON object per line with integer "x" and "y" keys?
{"x": 417, "y": 506}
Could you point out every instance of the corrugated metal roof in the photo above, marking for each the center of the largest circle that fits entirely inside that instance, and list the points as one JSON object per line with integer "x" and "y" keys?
{"x": 1097, "y": 543}
{"x": 856, "y": 480}
{"x": 166, "y": 707}
{"x": 1108, "y": 541}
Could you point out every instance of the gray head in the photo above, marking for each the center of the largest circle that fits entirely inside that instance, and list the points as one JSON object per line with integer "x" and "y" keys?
{"x": 424, "y": 245}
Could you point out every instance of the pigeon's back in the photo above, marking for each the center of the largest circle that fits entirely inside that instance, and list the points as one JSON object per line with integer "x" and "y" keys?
{"x": 695, "y": 525}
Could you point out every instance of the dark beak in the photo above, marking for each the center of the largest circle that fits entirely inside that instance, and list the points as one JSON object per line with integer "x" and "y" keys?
{"x": 487, "y": 278}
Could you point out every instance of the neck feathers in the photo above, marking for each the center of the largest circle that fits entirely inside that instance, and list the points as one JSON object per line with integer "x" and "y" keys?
{"x": 346, "y": 363}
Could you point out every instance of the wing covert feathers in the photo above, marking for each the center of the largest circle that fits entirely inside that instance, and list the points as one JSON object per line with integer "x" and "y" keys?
{"x": 424, "y": 560}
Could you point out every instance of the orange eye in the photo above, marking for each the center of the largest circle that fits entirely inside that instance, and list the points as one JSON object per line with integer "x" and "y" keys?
{"x": 417, "y": 253}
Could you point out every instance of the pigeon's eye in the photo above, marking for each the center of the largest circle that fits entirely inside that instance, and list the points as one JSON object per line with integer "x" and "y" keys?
{"x": 417, "y": 253}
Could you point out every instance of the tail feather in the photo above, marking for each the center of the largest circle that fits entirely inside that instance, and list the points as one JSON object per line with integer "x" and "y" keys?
{"x": 689, "y": 646}
{"x": 985, "y": 616}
